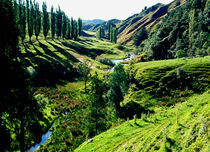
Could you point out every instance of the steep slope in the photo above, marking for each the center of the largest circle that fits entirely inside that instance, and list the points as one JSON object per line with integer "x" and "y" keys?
{"x": 148, "y": 18}
{"x": 174, "y": 100}
{"x": 52, "y": 61}
{"x": 179, "y": 129}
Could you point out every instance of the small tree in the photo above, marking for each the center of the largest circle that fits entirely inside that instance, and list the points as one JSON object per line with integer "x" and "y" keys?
{"x": 84, "y": 70}
{"x": 118, "y": 86}
{"x": 97, "y": 107}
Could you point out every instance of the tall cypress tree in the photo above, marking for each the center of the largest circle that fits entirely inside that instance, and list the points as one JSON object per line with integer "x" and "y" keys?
{"x": 79, "y": 26}
{"x": 46, "y": 25}
{"x": 37, "y": 20}
{"x": 52, "y": 23}
{"x": 64, "y": 25}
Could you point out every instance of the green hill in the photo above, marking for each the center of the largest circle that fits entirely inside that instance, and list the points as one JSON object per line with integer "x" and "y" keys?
{"x": 52, "y": 61}
{"x": 149, "y": 18}
{"x": 183, "y": 127}
{"x": 173, "y": 97}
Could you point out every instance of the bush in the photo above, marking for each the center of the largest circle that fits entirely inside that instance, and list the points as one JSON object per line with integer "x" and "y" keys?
{"x": 180, "y": 54}
{"x": 105, "y": 61}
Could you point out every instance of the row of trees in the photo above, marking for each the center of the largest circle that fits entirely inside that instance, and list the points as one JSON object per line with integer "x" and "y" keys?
{"x": 31, "y": 21}
{"x": 111, "y": 34}
{"x": 20, "y": 114}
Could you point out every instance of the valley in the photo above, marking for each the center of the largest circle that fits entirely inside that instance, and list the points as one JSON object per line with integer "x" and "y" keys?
{"x": 138, "y": 84}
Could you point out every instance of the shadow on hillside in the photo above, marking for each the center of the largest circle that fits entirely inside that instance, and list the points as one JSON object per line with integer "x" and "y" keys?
{"x": 132, "y": 108}
{"x": 64, "y": 52}
{"x": 91, "y": 52}
{"x": 50, "y": 69}
{"x": 86, "y": 34}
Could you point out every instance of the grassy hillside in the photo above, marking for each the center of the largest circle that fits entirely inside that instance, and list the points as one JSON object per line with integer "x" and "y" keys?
{"x": 53, "y": 60}
{"x": 172, "y": 96}
{"x": 148, "y": 18}
{"x": 183, "y": 127}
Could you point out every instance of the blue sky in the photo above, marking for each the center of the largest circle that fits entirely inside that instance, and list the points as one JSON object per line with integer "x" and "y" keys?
{"x": 102, "y": 9}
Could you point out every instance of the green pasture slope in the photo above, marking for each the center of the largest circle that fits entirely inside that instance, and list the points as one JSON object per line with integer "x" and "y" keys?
{"x": 177, "y": 94}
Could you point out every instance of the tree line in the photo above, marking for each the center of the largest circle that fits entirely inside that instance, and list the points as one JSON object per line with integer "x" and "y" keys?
{"x": 111, "y": 33}
{"x": 32, "y": 21}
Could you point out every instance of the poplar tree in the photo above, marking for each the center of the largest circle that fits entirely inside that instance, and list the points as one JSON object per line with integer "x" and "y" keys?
{"x": 72, "y": 28}
{"x": 15, "y": 8}
{"x": 52, "y": 23}
{"x": 22, "y": 19}
{"x": 29, "y": 7}
{"x": 64, "y": 25}
{"x": 79, "y": 26}
{"x": 58, "y": 22}
{"x": 68, "y": 35}
{"x": 37, "y": 20}
{"x": 75, "y": 30}
{"x": 46, "y": 26}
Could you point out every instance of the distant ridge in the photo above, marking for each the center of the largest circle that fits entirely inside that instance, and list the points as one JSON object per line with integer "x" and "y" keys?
{"x": 94, "y": 21}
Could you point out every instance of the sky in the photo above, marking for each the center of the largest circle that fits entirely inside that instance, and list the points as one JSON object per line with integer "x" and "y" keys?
{"x": 101, "y": 9}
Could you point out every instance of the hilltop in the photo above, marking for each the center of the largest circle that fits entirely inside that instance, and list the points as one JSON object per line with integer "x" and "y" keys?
{"x": 149, "y": 18}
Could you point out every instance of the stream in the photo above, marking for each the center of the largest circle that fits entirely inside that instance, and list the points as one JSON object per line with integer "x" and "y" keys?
{"x": 116, "y": 62}
{"x": 47, "y": 135}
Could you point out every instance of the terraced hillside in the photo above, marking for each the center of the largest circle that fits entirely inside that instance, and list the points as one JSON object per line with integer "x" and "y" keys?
{"x": 54, "y": 60}
{"x": 183, "y": 127}
{"x": 173, "y": 96}
{"x": 148, "y": 18}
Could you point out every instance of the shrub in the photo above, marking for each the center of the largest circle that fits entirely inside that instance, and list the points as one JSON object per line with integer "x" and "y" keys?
{"x": 180, "y": 54}
{"x": 105, "y": 61}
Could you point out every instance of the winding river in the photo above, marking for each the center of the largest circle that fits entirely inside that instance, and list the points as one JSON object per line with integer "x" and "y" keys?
{"x": 47, "y": 135}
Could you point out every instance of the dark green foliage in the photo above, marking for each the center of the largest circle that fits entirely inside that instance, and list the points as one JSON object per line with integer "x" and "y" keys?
{"x": 79, "y": 26}
{"x": 75, "y": 30}
{"x": 18, "y": 110}
{"x": 58, "y": 22}
{"x": 68, "y": 34}
{"x": 46, "y": 24}
{"x": 37, "y": 20}
{"x": 100, "y": 33}
{"x": 96, "y": 118}
{"x": 22, "y": 19}
{"x": 64, "y": 25}
{"x": 118, "y": 87}
{"x": 53, "y": 17}
{"x": 72, "y": 28}
{"x": 113, "y": 34}
{"x": 141, "y": 36}
{"x": 30, "y": 21}
{"x": 184, "y": 28}
{"x": 180, "y": 54}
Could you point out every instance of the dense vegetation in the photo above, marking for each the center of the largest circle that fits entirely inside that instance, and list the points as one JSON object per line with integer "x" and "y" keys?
{"x": 21, "y": 117}
{"x": 183, "y": 32}
{"x": 59, "y": 80}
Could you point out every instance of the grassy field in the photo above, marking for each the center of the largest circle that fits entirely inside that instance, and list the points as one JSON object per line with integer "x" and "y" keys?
{"x": 173, "y": 96}
{"x": 183, "y": 127}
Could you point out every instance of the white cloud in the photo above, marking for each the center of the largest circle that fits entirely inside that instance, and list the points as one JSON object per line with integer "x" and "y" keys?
{"x": 102, "y": 9}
